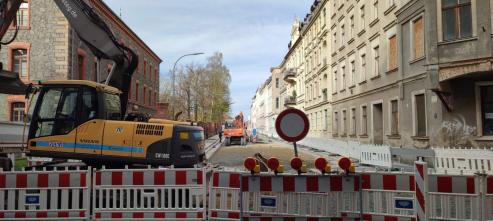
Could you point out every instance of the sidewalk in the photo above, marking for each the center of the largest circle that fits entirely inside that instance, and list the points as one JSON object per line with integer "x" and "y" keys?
{"x": 211, "y": 146}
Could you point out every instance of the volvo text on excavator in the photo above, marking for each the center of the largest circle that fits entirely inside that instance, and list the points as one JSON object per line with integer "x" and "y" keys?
{"x": 88, "y": 121}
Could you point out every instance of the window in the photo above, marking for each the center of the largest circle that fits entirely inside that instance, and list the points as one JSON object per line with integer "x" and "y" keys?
{"x": 95, "y": 69}
{"x": 364, "y": 121}
{"x": 334, "y": 37}
{"x": 362, "y": 17}
{"x": 420, "y": 108}
{"x": 81, "y": 66}
{"x": 150, "y": 72}
{"x": 150, "y": 97}
{"x": 58, "y": 111}
{"x": 277, "y": 102}
{"x": 456, "y": 19}
{"x": 277, "y": 82}
{"x": 487, "y": 110}
{"x": 392, "y": 52}
{"x": 353, "y": 73}
{"x": 89, "y": 105}
{"x": 376, "y": 61}
{"x": 334, "y": 87}
{"x": 19, "y": 62}
{"x": 394, "y": 118}
{"x": 17, "y": 112}
{"x": 112, "y": 106}
{"x": 363, "y": 67}
{"x": 343, "y": 33}
{"x": 336, "y": 123}
{"x": 144, "y": 90}
{"x": 22, "y": 19}
{"x": 353, "y": 121}
{"x": 344, "y": 123}
{"x": 343, "y": 79}
{"x": 375, "y": 10}
{"x": 351, "y": 24}
{"x": 418, "y": 39}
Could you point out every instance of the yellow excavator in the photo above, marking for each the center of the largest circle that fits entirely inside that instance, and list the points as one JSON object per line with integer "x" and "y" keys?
{"x": 88, "y": 121}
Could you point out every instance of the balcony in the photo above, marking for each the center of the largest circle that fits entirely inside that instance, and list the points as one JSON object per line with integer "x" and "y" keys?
{"x": 290, "y": 76}
{"x": 290, "y": 101}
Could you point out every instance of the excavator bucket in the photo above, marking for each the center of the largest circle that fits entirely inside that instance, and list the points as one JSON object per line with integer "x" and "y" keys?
{"x": 10, "y": 83}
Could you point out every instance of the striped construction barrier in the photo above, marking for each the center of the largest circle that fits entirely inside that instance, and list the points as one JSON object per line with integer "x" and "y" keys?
{"x": 224, "y": 195}
{"x": 181, "y": 194}
{"x": 308, "y": 196}
{"x": 45, "y": 195}
{"x": 383, "y": 193}
{"x": 421, "y": 176}
{"x": 453, "y": 197}
{"x": 157, "y": 194}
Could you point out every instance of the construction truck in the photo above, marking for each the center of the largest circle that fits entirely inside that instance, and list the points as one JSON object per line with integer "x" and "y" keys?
{"x": 88, "y": 121}
{"x": 235, "y": 131}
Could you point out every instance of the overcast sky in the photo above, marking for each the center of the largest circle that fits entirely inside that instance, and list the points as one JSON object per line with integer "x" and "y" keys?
{"x": 252, "y": 34}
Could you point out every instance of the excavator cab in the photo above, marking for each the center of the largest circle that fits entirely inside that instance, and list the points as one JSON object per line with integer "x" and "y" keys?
{"x": 64, "y": 105}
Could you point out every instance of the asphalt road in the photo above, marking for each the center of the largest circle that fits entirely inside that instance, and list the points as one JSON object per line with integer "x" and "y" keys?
{"x": 233, "y": 156}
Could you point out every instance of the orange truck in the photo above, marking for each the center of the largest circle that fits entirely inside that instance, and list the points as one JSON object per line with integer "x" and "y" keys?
{"x": 235, "y": 131}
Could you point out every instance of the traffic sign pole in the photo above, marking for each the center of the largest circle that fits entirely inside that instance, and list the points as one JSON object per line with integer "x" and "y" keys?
{"x": 295, "y": 149}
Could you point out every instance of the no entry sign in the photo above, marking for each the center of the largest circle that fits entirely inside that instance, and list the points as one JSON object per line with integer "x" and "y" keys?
{"x": 292, "y": 125}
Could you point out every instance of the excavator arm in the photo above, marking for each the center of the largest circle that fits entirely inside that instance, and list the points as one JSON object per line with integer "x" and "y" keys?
{"x": 93, "y": 31}
{"x": 9, "y": 81}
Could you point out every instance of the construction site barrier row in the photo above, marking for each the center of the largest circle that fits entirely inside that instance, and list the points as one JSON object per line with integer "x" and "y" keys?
{"x": 198, "y": 194}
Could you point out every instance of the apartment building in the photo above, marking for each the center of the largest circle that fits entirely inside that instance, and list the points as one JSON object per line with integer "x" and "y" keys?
{"x": 46, "y": 48}
{"x": 306, "y": 69}
{"x": 413, "y": 73}
{"x": 261, "y": 109}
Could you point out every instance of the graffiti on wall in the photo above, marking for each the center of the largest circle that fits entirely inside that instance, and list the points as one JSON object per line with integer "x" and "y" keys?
{"x": 456, "y": 132}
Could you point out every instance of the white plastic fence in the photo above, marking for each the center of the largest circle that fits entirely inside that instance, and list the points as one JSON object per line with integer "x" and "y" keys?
{"x": 466, "y": 161}
{"x": 153, "y": 194}
{"x": 45, "y": 195}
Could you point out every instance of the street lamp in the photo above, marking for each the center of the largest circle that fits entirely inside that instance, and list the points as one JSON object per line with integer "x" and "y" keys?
{"x": 173, "y": 78}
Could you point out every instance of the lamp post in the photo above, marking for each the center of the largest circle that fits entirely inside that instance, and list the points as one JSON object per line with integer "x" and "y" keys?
{"x": 173, "y": 79}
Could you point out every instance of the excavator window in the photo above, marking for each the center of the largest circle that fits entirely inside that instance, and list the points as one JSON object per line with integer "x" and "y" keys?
{"x": 89, "y": 105}
{"x": 57, "y": 112}
{"x": 112, "y": 106}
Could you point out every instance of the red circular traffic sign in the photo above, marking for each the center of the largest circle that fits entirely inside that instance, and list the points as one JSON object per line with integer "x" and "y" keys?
{"x": 292, "y": 125}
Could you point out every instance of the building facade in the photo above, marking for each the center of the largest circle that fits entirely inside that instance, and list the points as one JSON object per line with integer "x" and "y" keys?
{"x": 46, "y": 48}
{"x": 407, "y": 73}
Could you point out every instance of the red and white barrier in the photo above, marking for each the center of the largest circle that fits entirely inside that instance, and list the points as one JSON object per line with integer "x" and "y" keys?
{"x": 381, "y": 193}
{"x": 156, "y": 194}
{"x": 453, "y": 197}
{"x": 421, "y": 176}
{"x": 224, "y": 195}
{"x": 45, "y": 195}
{"x": 300, "y": 196}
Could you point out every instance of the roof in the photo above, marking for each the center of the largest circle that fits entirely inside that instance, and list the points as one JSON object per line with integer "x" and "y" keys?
{"x": 98, "y": 86}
